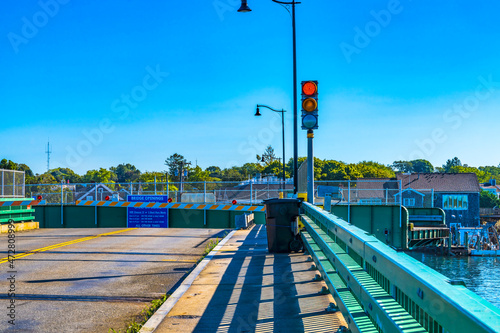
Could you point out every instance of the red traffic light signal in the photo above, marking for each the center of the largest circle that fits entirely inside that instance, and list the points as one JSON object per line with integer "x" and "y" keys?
{"x": 169, "y": 200}
{"x": 309, "y": 88}
{"x": 106, "y": 198}
{"x": 234, "y": 202}
{"x": 38, "y": 197}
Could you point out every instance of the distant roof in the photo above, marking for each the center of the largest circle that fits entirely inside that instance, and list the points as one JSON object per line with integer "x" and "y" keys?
{"x": 490, "y": 187}
{"x": 376, "y": 187}
{"x": 441, "y": 182}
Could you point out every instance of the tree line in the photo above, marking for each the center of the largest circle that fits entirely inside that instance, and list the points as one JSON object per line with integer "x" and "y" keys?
{"x": 177, "y": 166}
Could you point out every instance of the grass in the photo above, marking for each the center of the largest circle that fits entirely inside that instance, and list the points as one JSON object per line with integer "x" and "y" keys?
{"x": 135, "y": 326}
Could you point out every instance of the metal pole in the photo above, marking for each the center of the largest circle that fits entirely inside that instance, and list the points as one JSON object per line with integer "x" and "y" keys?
{"x": 283, "y": 134}
{"x": 295, "y": 140}
{"x": 310, "y": 167}
{"x": 349, "y": 201}
{"x": 205, "y": 192}
{"x": 95, "y": 210}
{"x": 251, "y": 188}
{"x": 400, "y": 202}
{"x": 62, "y": 201}
{"x": 155, "y": 184}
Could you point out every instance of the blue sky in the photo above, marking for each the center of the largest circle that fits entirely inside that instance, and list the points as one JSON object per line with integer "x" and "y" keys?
{"x": 134, "y": 82}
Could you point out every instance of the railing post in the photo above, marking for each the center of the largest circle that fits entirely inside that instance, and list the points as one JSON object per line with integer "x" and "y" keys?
{"x": 62, "y": 202}
{"x": 205, "y": 192}
{"x": 348, "y": 201}
{"x": 400, "y": 202}
{"x": 155, "y": 184}
{"x": 251, "y": 187}
{"x": 95, "y": 208}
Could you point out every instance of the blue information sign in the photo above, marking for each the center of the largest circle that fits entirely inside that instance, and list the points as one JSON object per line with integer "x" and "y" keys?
{"x": 147, "y": 217}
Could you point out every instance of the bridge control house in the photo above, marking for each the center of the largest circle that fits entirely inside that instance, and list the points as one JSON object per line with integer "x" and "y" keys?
{"x": 456, "y": 193}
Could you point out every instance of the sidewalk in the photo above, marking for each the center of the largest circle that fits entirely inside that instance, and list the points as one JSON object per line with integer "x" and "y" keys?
{"x": 246, "y": 289}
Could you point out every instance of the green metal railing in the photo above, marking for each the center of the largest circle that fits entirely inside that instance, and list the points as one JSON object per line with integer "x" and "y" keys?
{"x": 16, "y": 213}
{"x": 381, "y": 290}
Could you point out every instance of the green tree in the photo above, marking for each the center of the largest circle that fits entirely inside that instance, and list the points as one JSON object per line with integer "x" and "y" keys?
{"x": 214, "y": 171}
{"x": 370, "y": 169}
{"x": 482, "y": 176}
{"x": 403, "y": 166}
{"x": 126, "y": 173}
{"x": 267, "y": 157}
{"x": 422, "y": 166}
{"x": 232, "y": 174}
{"x": 67, "y": 174}
{"x": 7, "y": 165}
{"x": 99, "y": 176}
{"x": 276, "y": 169}
{"x": 335, "y": 170}
{"x": 451, "y": 163}
{"x": 175, "y": 163}
{"x": 488, "y": 200}
{"x": 250, "y": 170}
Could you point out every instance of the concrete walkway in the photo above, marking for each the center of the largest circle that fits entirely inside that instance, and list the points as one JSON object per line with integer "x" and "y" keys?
{"x": 246, "y": 289}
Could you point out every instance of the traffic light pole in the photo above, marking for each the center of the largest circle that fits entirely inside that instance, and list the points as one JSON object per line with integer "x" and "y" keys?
{"x": 310, "y": 167}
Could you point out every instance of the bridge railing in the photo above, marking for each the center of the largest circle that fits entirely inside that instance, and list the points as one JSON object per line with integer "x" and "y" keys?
{"x": 380, "y": 289}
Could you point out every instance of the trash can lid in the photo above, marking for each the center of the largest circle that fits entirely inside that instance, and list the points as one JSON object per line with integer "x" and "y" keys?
{"x": 277, "y": 200}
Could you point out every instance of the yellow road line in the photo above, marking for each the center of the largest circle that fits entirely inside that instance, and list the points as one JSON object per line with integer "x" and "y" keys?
{"x": 55, "y": 246}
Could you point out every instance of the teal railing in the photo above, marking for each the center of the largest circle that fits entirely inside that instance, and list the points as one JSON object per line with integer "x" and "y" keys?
{"x": 379, "y": 289}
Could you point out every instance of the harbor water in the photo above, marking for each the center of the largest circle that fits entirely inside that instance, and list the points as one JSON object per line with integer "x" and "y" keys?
{"x": 480, "y": 274}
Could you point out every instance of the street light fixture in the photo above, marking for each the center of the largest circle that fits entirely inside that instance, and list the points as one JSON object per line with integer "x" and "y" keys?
{"x": 245, "y": 9}
{"x": 257, "y": 113}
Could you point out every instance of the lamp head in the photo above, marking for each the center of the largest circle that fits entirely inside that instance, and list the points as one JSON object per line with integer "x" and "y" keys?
{"x": 258, "y": 112}
{"x": 244, "y": 7}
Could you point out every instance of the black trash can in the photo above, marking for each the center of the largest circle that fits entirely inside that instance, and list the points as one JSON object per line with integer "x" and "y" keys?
{"x": 281, "y": 225}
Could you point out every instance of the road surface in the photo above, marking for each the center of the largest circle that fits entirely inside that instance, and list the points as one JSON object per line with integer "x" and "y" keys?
{"x": 91, "y": 280}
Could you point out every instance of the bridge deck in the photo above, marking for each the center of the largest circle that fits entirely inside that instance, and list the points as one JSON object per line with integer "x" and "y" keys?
{"x": 245, "y": 288}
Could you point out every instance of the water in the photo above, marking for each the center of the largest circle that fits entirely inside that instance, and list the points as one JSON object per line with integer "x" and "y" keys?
{"x": 481, "y": 274}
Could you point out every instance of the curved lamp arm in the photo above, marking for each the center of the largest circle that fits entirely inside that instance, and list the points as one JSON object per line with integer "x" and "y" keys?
{"x": 270, "y": 108}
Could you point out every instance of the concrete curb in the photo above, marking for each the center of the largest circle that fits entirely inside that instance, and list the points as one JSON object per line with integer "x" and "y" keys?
{"x": 152, "y": 324}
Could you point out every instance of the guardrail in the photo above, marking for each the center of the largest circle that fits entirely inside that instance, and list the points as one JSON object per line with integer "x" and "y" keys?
{"x": 17, "y": 210}
{"x": 378, "y": 289}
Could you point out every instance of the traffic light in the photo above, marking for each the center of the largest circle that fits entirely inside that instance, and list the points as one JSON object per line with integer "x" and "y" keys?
{"x": 309, "y": 105}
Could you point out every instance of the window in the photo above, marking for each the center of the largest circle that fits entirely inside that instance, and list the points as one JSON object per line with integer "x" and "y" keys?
{"x": 409, "y": 202}
{"x": 458, "y": 202}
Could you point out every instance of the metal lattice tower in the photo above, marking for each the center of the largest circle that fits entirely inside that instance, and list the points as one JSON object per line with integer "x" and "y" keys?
{"x": 48, "y": 152}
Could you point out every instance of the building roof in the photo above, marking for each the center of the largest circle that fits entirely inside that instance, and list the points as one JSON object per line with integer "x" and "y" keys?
{"x": 375, "y": 188}
{"x": 490, "y": 187}
{"x": 440, "y": 182}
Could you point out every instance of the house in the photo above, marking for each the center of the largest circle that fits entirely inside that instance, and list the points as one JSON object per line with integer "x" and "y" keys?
{"x": 491, "y": 187}
{"x": 99, "y": 192}
{"x": 456, "y": 193}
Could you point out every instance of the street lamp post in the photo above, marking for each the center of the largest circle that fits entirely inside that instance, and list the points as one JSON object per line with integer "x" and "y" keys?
{"x": 245, "y": 9}
{"x": 257, "y": 113}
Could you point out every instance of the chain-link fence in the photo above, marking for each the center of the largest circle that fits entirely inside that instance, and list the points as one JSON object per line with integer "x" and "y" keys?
{"x": 359, "y": 192}
{"x": 186, "y": 192}
{"x": 372, "y": 192}
{"x": 11, "y": 184}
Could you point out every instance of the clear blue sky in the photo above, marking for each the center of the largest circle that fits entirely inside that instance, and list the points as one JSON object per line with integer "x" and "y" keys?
{"x": 114, "y": 82}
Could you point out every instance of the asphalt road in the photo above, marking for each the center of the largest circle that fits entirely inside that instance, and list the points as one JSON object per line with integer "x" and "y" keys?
{"x": 77, "y": 282}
